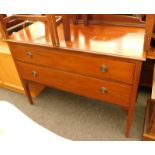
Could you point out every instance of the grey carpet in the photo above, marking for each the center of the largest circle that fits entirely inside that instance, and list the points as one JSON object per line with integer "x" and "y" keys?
{"x": 80, "y": 118}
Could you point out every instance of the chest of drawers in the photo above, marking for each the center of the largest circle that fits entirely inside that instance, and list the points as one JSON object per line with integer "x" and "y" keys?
{"x": 107, "y": 78}
{"x": 104, "y": 68}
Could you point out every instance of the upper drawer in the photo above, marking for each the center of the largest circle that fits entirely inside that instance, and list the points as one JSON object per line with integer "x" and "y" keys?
{"x": 76, "y": 62}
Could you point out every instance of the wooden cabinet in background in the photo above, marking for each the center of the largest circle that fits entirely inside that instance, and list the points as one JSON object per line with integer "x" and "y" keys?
{"x": 149, "y": 125}
{"x": 147, "y": 68}
{"x": 8, "y": 73}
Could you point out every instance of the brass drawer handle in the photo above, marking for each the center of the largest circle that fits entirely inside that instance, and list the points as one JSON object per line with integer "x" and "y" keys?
{"x": 104, "y": 68}
{"x": 104, "y": 90}
{"x": 34, "y": 74}
{"x": 29, "y": 54}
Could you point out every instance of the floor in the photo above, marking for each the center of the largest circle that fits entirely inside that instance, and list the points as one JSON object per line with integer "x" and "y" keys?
{"x": 79, "y": 118}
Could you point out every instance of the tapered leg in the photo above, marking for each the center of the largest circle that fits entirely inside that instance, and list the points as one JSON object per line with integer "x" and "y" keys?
{"x": 27, "y": 91}
{"x": 133, "y": 97}
{"x": 129, "y": 121}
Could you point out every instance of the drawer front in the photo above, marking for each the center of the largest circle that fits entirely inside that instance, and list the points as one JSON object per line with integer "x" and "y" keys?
{"x": 85, "y": 64}
{"x": 87, "y": 86}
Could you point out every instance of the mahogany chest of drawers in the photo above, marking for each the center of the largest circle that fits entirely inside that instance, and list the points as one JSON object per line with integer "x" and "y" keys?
{"x": 102, "y": 77}
{"x": 111, "y": 77}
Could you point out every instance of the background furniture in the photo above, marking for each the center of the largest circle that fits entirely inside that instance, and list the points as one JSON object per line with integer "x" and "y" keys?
{"x": 148, "y": 65}
{"x": 149, "y": 125}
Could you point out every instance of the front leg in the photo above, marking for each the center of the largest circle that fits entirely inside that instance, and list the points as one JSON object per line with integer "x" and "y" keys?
{"x": 27, "y": 91}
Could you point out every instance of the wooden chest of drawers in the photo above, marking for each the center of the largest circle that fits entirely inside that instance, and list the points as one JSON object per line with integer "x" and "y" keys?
{"x": 106, "y": 78}
{"x": 100, "y": 75}
{"x": 91, "y": 75}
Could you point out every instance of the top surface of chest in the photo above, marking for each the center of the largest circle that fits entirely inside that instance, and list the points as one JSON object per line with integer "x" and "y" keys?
{"x": 119, "y": 41}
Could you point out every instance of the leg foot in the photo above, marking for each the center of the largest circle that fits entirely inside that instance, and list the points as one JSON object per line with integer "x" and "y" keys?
{"x": 129, "y": 121}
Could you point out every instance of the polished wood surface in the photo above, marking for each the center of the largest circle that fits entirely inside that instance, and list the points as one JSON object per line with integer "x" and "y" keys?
{"x": 91, "y": 65}
{"x": 126, "y": 42}
{"x": 82, "y": 85}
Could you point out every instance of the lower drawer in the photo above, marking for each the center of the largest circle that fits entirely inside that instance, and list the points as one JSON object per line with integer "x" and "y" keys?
{"x": 87, "y": 86}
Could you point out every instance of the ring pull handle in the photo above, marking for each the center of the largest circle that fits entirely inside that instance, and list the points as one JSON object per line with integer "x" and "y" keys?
{"x": 34, "y": 74}
{"x": 104, "y": 90}
{"x": 104, "y": 68}
{"x": 29, "y": 54}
